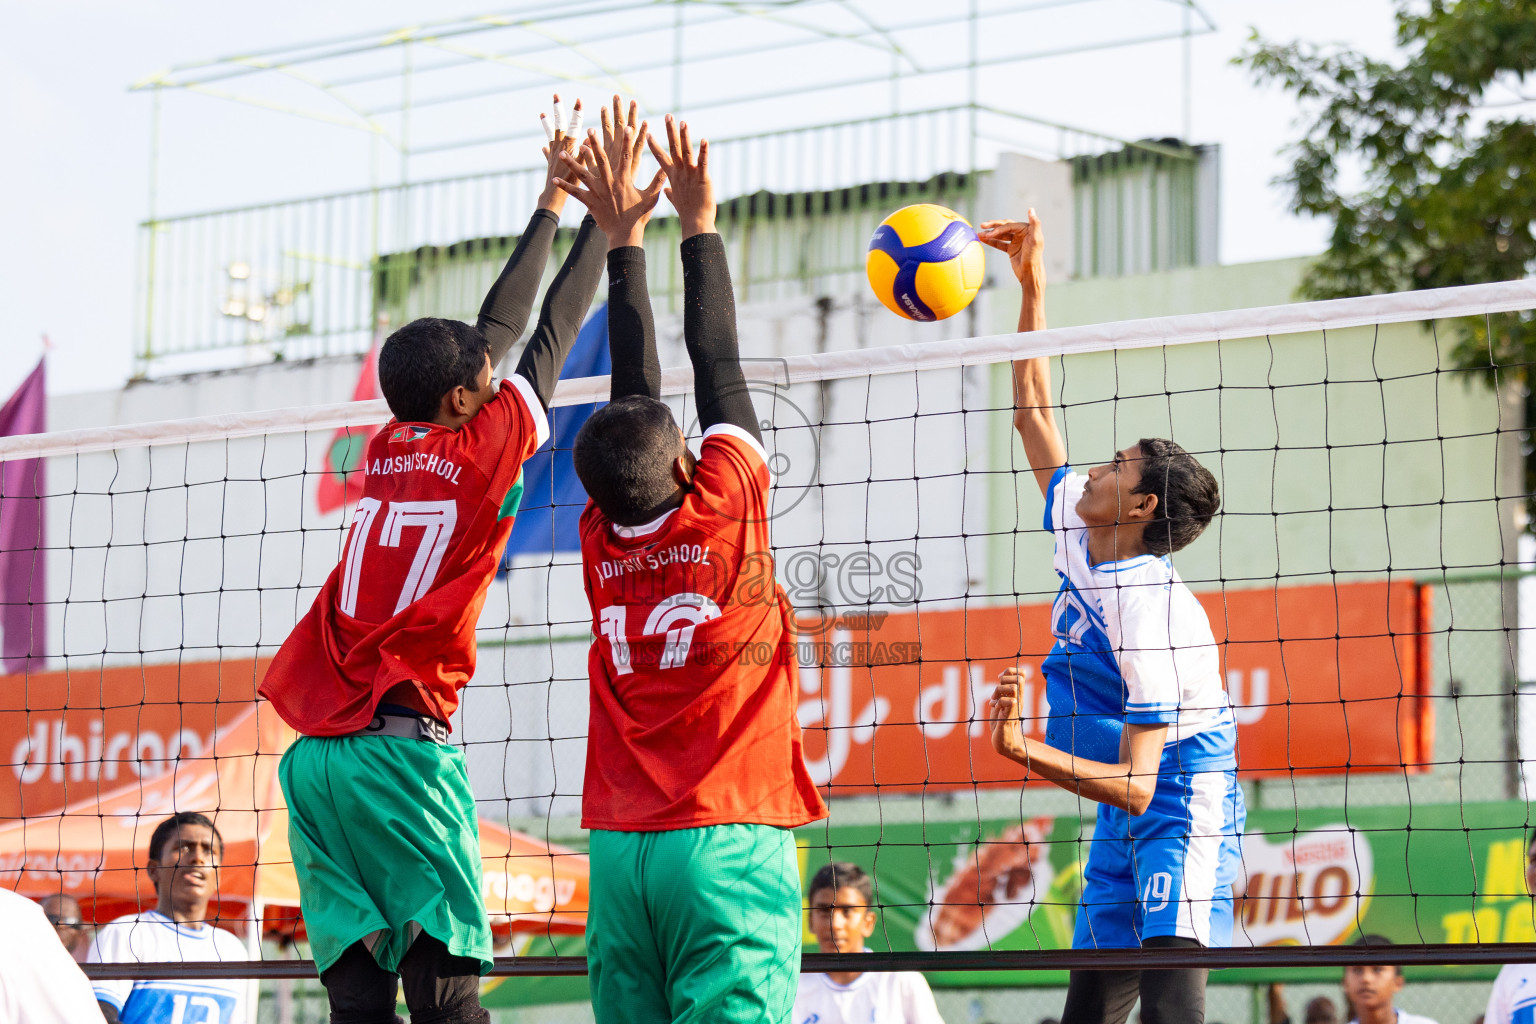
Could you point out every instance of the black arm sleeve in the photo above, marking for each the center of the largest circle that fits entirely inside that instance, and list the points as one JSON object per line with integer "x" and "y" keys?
{"x": 507, "y": 305}
{"x": 109, "y": 1012}
{"x": 709, "y": 330}
{"x": 631, "y": 330}
{"x": 565, "y": 305}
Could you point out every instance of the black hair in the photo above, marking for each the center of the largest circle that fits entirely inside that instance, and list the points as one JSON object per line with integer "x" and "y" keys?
{"x": 162, "y": 833}
{"x": 624, "y": 454}
{"x": 1187, "y": 495}
{"x": 426, "y": 359}
{"x": 1321, "y": 1008}
{"x": 1373, "y": 939}
{"x": 843, "y": 874}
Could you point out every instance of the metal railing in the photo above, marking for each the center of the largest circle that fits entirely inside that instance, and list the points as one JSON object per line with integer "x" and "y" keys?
{"x": 313, "y": 277}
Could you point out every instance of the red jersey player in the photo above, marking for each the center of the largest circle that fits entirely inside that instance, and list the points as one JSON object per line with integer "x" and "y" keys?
{"x": 381, "y": 817}
{"x": 695, "y": 772}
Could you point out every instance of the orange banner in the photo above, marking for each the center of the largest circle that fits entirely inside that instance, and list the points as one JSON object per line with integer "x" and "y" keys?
{"x": 1323, "y": 679}
{"x": 75, "y": 735}
{"x": 102, "y": 757}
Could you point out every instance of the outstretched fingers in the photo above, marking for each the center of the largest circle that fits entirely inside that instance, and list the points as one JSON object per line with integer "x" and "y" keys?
{"x": 575, "y": 191}
{"x": 598, "y": 156}
{"x": 653, "y": 190}
{"x": 617, "y": 121}
{"x": 578, "y": 166}
{"x": 1001, "y": 234}
{"x": 623, "y": 155}
{"x": 687, "y": 144}
{"x": 672, "y": 140}
{"x": 663, "y": 159}
{"x": 637, "y": 149}
{"x": 565, "y": 138}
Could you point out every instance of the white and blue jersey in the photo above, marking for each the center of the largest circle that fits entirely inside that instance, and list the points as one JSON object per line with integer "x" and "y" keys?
{"x": 1513, "y": 999}
{"x": 1134, "y": 647}
{"x": 152, "y": 937}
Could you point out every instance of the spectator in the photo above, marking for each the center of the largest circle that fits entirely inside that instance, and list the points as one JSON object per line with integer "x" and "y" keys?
{"x": 1319, "y": 1010}
{"x": 39, "y": 981}
{"x": 1371, "y": 989}
{"x": 63, "y": 912}
{"x": 842, "y": 917}
{"x": 183, "y": 866}
{"x": 1514, "y": 992}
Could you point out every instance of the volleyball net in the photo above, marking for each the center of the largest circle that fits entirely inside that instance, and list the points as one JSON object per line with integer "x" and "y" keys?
{"x": 1366, "y": 580}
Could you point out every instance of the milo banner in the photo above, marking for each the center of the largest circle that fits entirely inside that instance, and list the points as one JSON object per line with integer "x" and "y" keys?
{"x": 1317, "y": 877}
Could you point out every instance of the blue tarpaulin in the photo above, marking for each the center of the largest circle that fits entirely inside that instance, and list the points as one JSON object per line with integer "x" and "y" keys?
{"x": 552, "y": 496}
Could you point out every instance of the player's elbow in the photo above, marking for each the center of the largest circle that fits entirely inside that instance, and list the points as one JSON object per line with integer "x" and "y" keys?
{"x": 1138, "y": 795}
{"x": 1030, "y": 422}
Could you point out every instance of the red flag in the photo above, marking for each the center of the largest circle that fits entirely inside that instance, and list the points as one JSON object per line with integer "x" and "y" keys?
{"x": 23, "y": 555}
{"x": 341, "y": 483}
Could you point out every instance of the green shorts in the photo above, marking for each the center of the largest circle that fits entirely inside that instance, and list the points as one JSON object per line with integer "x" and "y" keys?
{"x": 694, "y": 925}
{"x": 385, "y": 846}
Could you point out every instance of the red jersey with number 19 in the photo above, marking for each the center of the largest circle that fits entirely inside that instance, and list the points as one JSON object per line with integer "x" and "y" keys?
{"x": 693, "y": 669}
{"x": 423, "y": 547}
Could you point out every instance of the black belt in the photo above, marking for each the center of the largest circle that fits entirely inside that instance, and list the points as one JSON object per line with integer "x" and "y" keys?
{"x": 411, "y": 727}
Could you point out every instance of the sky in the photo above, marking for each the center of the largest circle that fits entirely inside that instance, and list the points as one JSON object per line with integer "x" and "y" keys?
{"x": 76, "y": 177}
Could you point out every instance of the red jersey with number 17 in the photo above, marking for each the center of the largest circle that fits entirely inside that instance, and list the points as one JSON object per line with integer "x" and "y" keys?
{"x": 424, "y": 545}
{"x": 693, "y": 669}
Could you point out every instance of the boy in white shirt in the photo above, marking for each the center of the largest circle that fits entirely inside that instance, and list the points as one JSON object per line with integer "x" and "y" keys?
{"x": 1371, "y": 989}
{"x": 842, "y": 917}
{"x": 183, "y": 866}
{"x": 1514, "y": 993}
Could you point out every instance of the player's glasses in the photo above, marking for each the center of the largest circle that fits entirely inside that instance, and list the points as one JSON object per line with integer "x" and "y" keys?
{"x": 64, "y": 922}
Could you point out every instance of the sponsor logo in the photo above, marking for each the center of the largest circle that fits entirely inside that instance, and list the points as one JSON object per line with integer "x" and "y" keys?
{"x": 993, "y": 888}
{"x": 1310, "y": 889}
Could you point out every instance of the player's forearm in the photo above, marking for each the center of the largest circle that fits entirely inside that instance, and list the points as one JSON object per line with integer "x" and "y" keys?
{"x": 1034, "y": 417}
{"x": 505, "y": 311}
{"x": 1032, "y": 306}
{"x": 565, "y": 305}
{"x": 631, "y": 328}
{"x": 1115, "y": 784}
{"x": 709, "y": 330}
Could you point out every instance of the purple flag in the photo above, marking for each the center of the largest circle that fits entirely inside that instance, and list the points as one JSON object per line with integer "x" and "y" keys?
{"x": 23, "y": 582}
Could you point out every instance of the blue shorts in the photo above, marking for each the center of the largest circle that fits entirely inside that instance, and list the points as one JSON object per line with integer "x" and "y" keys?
{"x": 1168, "y": 871}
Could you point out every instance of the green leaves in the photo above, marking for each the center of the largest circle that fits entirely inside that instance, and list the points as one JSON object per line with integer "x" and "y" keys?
{"x": 1439, "y": 193}
{"x": 1441, "y": 182}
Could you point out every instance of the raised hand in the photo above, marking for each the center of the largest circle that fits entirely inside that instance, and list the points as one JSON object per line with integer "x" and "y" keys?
{"x": 1007, "y": 729}
{"x": 688, "y": 184}
{"x": 1023, "y": 241}
{"x": 602, "y": 177}
{"x": 561, "y": 136}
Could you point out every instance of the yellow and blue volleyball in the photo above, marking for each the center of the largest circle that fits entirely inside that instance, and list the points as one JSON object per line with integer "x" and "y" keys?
{"x": 925, "y": 262}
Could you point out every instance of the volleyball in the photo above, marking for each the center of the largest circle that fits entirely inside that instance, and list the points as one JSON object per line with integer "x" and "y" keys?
{"x": 925, "y": 262}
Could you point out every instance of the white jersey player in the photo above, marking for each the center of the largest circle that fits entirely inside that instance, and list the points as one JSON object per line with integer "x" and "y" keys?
{"x": 1513, "y": 999}
{"x": 1139, "y": 720}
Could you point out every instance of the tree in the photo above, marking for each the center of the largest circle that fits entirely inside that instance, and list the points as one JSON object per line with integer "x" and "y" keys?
{"x": 1447, "y": 192}
{"x": 1428, "y": 175}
